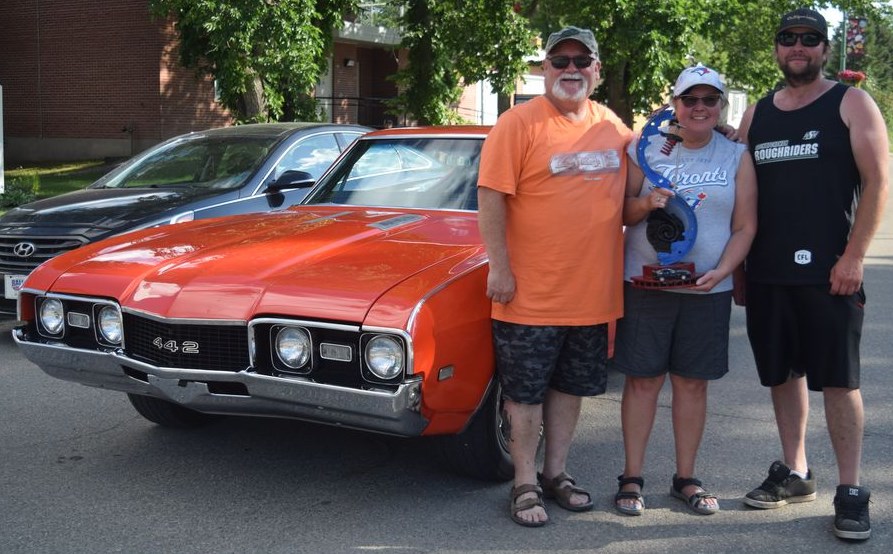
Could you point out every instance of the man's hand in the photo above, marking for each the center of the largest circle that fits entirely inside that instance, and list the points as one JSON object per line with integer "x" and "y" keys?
{"x": 846, "y": 275}
{"x": 728, "y": 131}
{"x": 500, "y": 285}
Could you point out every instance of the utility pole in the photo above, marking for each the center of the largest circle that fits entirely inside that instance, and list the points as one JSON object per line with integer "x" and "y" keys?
{"x": 843, "y": 28}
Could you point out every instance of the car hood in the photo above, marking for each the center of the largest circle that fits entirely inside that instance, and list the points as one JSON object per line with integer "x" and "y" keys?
{"x": 320, "y": 262}
{"x": 102, "y": 211}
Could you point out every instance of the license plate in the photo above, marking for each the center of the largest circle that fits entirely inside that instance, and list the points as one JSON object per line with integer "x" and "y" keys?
{"x": 11, "y": 286}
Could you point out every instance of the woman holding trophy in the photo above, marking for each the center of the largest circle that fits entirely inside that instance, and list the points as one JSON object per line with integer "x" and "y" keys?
{"x": 678, "y": 290}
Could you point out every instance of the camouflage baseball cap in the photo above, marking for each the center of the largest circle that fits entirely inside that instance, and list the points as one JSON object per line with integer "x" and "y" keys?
{"x": 583, "y": 36}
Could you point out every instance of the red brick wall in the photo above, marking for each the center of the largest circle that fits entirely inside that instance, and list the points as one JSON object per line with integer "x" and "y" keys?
{"x": 78, "y": 72}
{"x": 345, "y": 86}
{"x": 18, "y": 67}
{"x": 186, "y": 101}
{"x": 376, "y": 65}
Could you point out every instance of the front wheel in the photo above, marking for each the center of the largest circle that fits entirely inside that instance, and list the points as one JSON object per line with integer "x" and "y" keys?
{"x": 481, "y": 450}
{"x": 168, "y": 414}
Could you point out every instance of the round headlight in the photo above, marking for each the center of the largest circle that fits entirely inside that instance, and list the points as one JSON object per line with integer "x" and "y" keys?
{"x": 384, "y": 357}
{"x": 52, "y": 316}
{"x": 293, "y": 347}
{"x": 110, "y": 325}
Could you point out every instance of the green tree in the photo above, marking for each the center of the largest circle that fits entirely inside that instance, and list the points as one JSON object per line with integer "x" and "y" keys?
{"x": 641, "y": 44}
{"x": 450, "y": 44}
{"x": 877, "y": 63}
{"x": 742, "y": 41}
{"x": 645, "y": 43}
{"x": 266, "y": 55}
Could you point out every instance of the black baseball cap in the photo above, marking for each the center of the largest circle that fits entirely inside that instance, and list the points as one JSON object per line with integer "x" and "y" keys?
{"x": 804, "y": 17}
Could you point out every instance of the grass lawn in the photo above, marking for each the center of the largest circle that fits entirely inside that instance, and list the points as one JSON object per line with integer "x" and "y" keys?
{"x": 32, "y": 182}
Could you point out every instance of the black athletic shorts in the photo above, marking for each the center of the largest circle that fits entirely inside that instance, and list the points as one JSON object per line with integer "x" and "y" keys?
{"x": 805, "y": 330}
{"x": 530, "y": 359}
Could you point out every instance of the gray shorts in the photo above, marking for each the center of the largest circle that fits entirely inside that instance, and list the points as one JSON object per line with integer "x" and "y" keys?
{"x": 668, "y": 332}
{"x": 530, "y": 359}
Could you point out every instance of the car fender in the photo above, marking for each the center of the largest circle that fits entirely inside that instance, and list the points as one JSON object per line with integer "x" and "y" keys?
{"x": 451, "y": 337}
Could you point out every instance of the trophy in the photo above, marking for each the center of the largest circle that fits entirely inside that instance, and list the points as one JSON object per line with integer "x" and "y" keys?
{"x": 670, "y": 230}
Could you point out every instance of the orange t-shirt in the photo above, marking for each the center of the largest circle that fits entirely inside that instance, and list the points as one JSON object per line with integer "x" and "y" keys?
{"x": 564, "y": 182}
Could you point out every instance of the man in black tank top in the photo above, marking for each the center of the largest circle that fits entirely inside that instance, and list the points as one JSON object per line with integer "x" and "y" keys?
{"x": 820, "y": 151}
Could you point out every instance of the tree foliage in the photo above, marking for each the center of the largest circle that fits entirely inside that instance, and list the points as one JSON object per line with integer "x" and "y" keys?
{"x": 450, "y": 44}
{"x": 645, "y": 43}
{"x": 266, "y": 55}
{"x": 743, "y": 41}
{"x": 877, "y": 63}
{"x": 641, "y": 43}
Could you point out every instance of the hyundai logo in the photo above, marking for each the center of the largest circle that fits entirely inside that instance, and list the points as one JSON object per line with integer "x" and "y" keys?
{"x": 24, "y": 249}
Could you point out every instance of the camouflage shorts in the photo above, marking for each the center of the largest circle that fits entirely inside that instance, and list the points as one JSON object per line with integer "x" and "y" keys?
{"x": 530, "y": 359}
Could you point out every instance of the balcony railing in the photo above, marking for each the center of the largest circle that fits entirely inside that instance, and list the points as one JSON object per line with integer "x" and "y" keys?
{"x": 371, "y": 111}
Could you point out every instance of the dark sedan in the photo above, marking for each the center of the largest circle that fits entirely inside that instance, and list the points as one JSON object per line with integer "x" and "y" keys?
{"x": 232, "y": 170}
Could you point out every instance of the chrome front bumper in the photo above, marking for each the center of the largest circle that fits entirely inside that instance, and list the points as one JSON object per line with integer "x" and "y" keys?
{"x": 380, "y": 411}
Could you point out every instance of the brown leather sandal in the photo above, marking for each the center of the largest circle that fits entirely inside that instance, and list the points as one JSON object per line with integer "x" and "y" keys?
{"x": 552, "y": 489}
{"x": 526, "y": 504}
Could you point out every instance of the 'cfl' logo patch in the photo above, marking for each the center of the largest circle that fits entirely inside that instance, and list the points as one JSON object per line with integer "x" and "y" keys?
{"x": 802, "y": 257}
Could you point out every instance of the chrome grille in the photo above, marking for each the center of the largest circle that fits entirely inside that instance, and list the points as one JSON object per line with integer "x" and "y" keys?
{"x": 216, "y": 347}
{"x": 44, "y": 249}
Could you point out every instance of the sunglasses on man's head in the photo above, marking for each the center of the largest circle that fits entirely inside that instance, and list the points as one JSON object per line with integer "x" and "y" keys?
{"x": 580, "y": 62}
{"x": 690, "y": 100}
{"x": 809, "y": 39}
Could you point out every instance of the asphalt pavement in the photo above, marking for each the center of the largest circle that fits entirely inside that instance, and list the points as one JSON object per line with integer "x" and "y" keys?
{"x": 81, "y": 472}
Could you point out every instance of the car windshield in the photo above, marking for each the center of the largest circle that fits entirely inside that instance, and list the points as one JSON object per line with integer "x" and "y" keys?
{"x": 410, "y": 172}
{"x": 203, "y": 161}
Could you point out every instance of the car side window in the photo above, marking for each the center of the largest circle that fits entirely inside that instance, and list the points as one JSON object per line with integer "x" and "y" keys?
{"x": 236, "y": 163}
{"x": 388, "y": 158}
{"x": 313, "y": 155}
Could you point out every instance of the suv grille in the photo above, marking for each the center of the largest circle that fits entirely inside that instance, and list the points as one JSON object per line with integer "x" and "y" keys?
{"x": 44, "y": 248}
{"x": 186, "y": 345}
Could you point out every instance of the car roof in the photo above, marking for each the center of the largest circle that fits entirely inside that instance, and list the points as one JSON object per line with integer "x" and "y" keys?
{"x": 434, "y": 130}
{"x": 275, "y": 129}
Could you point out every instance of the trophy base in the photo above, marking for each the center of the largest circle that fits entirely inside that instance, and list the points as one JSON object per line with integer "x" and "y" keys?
{"x": 678, "y": 275}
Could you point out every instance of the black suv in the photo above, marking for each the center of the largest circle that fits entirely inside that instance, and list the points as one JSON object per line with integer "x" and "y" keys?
{"x": 226, "y": 171}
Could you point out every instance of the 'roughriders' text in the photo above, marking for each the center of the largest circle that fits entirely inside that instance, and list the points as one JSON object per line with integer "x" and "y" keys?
{"x": 773, "y": 152}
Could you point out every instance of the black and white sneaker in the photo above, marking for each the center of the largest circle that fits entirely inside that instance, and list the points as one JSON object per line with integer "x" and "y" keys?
{"x": 851, "y": 512}
{"x": 780, "y": 488}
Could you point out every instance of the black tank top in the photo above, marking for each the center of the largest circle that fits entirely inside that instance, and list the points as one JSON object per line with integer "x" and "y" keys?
{"x": 808, "y": 184}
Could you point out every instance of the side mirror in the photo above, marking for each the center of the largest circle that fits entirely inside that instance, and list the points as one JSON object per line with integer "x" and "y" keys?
{"x": 291, "y": 179}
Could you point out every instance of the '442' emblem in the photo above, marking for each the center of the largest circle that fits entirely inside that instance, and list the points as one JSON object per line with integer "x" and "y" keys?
{"x": 186, "y": 346}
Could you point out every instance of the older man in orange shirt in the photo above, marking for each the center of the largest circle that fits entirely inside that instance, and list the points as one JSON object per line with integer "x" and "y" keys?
{"x": 550, "y": 194}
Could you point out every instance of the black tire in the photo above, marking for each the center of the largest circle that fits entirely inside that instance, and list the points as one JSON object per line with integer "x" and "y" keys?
{"x": 481, "y": 450}
{"x": 168, "y": 414}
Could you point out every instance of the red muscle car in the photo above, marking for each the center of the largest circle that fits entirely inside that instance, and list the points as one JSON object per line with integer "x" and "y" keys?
{"x": 362, "y": 307}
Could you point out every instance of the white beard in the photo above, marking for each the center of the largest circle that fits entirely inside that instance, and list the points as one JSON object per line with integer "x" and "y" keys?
{"x": 561, "y": 94}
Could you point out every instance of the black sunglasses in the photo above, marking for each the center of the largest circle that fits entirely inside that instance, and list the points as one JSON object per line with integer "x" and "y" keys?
{"x": 809, "y": 39}
{"x": 580, "y": 62}
{"x": 690, "y": 100}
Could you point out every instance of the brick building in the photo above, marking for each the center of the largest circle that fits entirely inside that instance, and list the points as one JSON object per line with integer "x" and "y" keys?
{"x": 101, "y": 78}
{"x": 88, "y": 79}
{"x": 94, "y": 78}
